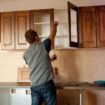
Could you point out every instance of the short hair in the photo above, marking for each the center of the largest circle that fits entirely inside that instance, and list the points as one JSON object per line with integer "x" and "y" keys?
{"x": 30, "y": 36}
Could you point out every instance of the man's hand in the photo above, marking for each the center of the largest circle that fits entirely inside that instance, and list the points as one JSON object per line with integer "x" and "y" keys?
{"x": 54, "y": 57}
{"x": 55, "y": 24}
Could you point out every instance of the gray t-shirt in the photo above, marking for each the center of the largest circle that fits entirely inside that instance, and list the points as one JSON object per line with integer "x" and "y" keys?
{"x": 38, "y": 60}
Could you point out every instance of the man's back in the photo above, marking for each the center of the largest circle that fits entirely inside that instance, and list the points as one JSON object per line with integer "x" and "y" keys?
{"x": 39, "y": 63}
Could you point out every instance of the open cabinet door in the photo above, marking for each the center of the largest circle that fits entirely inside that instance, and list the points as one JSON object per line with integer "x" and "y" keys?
{"x": 73, "y": 25}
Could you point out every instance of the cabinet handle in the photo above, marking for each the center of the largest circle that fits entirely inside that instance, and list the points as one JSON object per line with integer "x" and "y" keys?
{"x": 13, "y": 90}
{"x": 28, "y": 92}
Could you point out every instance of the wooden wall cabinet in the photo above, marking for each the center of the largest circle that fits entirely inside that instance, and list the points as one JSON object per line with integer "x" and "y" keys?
{"x": 87, "y": 27}
{"x": 7, "y": 30}
{"x": 73, "y": 25}
{"x": 13, "y": 27}
{"x": 100, "y": 27}
{"x": 92, "y": 26}
{"x": 42, "y": 20}
{"x": 21, "y": 25}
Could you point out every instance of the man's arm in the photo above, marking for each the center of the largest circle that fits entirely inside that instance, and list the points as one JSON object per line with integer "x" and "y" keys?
{"x": 53, "y": 33}
{"x": 47, "y": 44}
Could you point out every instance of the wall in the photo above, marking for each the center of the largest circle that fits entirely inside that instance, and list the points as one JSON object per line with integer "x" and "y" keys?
{"x": 83, "y": 65}
{"x": 14, "y": 5}
{"x": 73, "y": 65}
{"x": 11, "y": 5}
{"x": 9, "y": 63}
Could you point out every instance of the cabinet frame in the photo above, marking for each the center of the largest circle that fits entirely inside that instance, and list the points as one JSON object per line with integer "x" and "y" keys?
{"x": 11, "y": 33}
{"x": 7, "y": 30}
{"x": 40, "y": 11}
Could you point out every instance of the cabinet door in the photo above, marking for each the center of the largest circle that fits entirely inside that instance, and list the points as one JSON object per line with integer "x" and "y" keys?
{"x": 100, "y": 19}
{"x": 73, "y": 25}
{"x": 21, "y": 25}
{"x": 41, "y": 21}
{"x": 20, "y": 96}
{"x": 0, "y": 30}
{"x": 87, "y": 26}
{"x": 7, "y": 30}
{"x": 62, "y": 35}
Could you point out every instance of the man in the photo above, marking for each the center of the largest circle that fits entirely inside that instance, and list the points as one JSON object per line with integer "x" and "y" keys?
{"x": 39, "y": 62}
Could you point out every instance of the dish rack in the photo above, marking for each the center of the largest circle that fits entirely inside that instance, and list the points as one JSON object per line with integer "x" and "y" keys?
{"x": 23, "y": 74}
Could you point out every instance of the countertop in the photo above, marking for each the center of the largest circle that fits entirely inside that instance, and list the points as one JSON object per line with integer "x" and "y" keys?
{"x": 79, "y": 86}
{"x": 14, "y": 84}
{"x": 22, "y": 85}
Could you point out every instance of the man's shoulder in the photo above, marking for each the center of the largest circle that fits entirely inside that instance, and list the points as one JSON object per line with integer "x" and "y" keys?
{"x": 47, "y": 44}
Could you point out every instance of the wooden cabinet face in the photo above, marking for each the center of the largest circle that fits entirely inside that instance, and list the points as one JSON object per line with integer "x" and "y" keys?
{"x": 7, "y": 30}
{"x": 41, "y": 21}
{"x": 13, "y": 27}
{"x": 15, "y": 24}
{"x": 92, "y": 26}
{"x": 67, "y": 97}
{"x": 100, "y": 19}
{"x": 21, "y": 25}
{"x": 87, "y": 26}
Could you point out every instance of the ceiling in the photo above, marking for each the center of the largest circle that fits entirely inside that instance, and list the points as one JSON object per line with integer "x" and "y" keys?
{"x": 88, "y": 2}
{"x": 77, "y": 2}
{"x": 8, "y": 5}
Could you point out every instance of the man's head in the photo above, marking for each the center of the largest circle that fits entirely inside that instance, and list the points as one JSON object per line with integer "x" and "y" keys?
{"x": 31, "y": 36}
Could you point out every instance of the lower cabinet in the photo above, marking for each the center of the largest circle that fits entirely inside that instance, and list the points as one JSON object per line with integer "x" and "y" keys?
{"x": 15, "y": 96}
{"x": 67, "y": 97}
{"x": 20, "y": 96}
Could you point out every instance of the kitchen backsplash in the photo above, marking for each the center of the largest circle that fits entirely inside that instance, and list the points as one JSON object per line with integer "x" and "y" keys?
{"x": 9, "y": 63}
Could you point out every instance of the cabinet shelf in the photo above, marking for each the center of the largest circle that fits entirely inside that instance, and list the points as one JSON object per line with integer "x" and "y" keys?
{"x": 41, "y": 23}
{"x": 61, "y": 36}
{"x": 42, "y": 36}
{"x": 57, "y": 36}
{"x": 62, "y": 22}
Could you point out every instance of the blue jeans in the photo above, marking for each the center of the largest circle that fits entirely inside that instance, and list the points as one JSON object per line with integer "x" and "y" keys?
{"x": 44, "y": 92}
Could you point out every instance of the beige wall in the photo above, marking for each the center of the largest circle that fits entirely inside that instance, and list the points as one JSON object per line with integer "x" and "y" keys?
{"x": 81, "y": 64}
{"x": 9, "y": 63}
{"x": 16, "y": 5}
{"x": 73, "y": 65}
